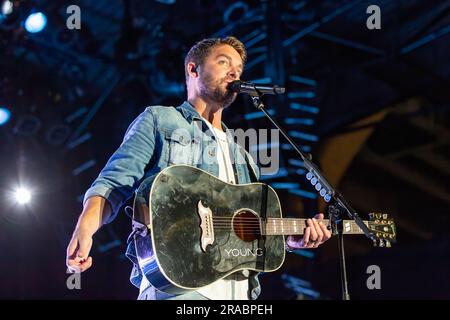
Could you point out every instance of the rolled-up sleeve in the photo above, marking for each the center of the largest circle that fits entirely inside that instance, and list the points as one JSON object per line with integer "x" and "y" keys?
{"x": 124, "y": 170}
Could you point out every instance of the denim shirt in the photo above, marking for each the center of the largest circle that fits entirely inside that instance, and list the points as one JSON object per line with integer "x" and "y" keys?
{"x": 159, "y": 137}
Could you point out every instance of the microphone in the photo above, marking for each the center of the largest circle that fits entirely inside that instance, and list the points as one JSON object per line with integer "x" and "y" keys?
{"x": 254, "y": 89}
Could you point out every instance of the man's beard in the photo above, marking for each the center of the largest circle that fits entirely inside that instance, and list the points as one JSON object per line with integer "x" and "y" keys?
{"x": 216, "y": 91}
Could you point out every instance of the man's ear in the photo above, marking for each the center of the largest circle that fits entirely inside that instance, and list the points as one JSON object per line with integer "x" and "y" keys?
{"x": 192, "y": 69}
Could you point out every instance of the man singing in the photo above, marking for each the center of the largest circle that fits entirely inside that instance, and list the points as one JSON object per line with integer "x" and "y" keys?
{"x": 150, "y": 145}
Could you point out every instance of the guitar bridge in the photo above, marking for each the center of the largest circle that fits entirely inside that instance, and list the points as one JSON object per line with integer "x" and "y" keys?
{"x": 206, "y": 226}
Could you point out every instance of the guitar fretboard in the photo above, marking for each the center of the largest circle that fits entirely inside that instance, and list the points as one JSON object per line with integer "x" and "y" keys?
{"x": 291, "y": 226}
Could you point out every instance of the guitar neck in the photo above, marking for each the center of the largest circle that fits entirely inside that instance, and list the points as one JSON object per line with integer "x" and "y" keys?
{"x": 291, "y": 226}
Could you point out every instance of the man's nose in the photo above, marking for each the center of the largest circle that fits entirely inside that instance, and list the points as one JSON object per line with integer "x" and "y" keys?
{"x": 232, "y": 73}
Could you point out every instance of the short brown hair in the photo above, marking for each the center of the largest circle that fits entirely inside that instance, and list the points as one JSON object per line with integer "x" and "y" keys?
{"x": 201, "y": 50}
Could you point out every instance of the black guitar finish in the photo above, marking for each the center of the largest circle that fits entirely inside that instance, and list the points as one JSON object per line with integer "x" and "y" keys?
{"x": 183, "y": 263}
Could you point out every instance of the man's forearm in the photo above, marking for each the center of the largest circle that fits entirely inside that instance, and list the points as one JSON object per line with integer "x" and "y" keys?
{"x": 96, "y": 211}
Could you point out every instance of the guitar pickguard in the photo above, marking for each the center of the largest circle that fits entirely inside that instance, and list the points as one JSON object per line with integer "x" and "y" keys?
{"x": 206, "y": 226}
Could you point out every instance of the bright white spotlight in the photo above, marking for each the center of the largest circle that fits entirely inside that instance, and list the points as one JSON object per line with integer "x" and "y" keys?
{"x": 4, "y": 115}
{"x": 7, "y": 7}
{"x": 22, "y": 195}
{"x": 35, "y": 22}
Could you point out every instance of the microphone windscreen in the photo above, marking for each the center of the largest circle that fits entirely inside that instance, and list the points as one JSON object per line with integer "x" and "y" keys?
{"x": 235, "y": 86}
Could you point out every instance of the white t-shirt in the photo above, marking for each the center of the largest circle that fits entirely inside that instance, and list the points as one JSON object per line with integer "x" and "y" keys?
{"x": 226, "y": 172}
{"x": 225, "y": 289}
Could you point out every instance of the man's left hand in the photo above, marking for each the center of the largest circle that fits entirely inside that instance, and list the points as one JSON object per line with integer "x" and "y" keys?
{"x": 315, "y": 234}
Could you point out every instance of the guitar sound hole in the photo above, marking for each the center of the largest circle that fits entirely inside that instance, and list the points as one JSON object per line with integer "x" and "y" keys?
{"x": 246, "y": 226}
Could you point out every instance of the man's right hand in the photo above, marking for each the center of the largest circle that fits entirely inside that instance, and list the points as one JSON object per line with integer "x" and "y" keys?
{"x": 95, "y": 212}
{"x": 77, "y": 258}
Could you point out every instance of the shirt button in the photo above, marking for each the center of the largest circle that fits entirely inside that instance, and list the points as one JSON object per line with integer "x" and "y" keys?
{"x": 211, "y": 153}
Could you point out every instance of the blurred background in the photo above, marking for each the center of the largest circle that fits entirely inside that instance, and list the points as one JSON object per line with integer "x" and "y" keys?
{"x": 370, "y": 105}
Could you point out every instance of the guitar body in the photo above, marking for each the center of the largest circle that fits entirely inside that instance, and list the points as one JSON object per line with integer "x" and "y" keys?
{"x": 199, "y": 229}
{"x": 203, "y": 229}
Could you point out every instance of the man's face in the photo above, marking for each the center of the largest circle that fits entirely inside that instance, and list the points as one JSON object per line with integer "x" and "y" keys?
{"x": 222, "y": 66}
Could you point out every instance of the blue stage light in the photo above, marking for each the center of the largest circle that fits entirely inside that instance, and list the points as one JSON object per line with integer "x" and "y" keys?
{"x": 35, "y": 22}
{"x": 4, "y": 116}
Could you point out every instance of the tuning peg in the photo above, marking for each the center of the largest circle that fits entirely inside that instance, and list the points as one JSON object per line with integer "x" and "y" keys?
{"x": 385, "y": 216}
{"x": 378, "y": 215}
{"x": 375, "y": 243}
{"x": 371, "y": 215}
{"x": 388, "y": 244}
{"x": 381, "y": 243}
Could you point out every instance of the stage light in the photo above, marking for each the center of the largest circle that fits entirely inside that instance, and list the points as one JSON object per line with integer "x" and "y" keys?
{"x": 257, "y": 114}
{"x": 9, "y": 15}
{"x": 7, "y": 7}
{"x": 305, "y": 108}
{"x": 303, "y": 135}
{"x": 23, "y": 196}
{"x": 4, "y": 116}
{"x": 166, "y": 1}
{"x": 35, "y": 22}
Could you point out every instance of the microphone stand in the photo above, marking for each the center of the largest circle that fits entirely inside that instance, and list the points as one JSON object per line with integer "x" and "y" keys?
{"x": 338, "y": 206}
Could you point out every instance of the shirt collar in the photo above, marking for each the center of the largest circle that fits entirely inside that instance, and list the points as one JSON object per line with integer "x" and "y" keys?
{"x": 190, "y": 113}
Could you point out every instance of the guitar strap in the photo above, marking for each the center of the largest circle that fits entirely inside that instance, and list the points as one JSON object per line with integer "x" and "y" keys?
{"x": 253, "y": 177}
{"x": 260, "y": 259}
{"x": 236, "y": 178}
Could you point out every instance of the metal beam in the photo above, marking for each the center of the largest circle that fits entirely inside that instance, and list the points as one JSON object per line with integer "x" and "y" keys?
{"x": 368, "y": 200}
{"x": 428, "y": 38}
{"x": 95, "y": 108}
{"x": 418, "y": 180}
{"x": 319, "y": 23}
{"x": 439, "y": 162}
{"x": 408, "y": 151}
{"x": 348, "y": 43}
{"x": 275, "y": 67}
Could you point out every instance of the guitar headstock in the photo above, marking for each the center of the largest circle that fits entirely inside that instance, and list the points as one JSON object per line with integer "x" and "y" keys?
{"x": 383, "y": 228}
